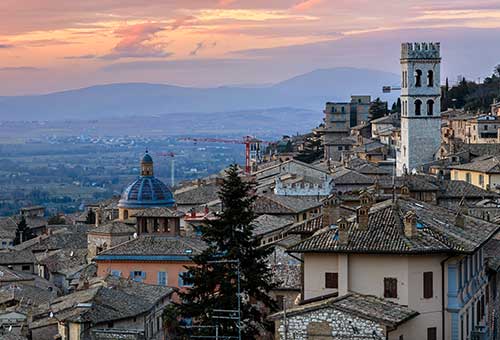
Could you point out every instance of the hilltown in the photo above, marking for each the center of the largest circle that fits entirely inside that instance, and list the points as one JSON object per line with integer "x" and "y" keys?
{"x": 391, "y": 233}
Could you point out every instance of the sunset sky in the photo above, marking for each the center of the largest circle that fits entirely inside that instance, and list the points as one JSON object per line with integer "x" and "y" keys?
{"x": 51, "y": 45}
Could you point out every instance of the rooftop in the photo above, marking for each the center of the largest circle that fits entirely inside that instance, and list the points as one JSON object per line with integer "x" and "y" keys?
{"x": 279, "y": 204}
{"x": 488, "y": 166}
{"x": 436, "y": 232}
{"x": 157, "y": 246}
{"x": 365, "y": 306}
{"x": 159, "y": 212}
{"x": 268, "y": 223}
{"x": 114, "y": 227}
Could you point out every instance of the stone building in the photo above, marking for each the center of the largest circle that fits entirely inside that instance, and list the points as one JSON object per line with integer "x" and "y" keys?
{"x": 408, "y": 252}
{"x": 339, "y": 118}
{"x": 352, "y": 316}
{"x": 420, "y": 105}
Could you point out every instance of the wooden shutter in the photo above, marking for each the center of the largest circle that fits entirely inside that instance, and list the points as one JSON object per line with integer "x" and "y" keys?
{"x": 432, "y": 333}
{"x": 428, "y": 285}
{"x": 332, "y": 280}
{"x": 390, "y": 287}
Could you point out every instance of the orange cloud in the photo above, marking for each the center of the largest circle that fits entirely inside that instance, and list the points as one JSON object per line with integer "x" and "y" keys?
{"x": 306, "y": 5}
{"x": 136, "y": 42}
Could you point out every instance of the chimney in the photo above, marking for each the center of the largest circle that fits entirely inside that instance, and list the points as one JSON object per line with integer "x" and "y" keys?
{"x": 206, "y": 210}
{"x": 363, "y": 211}
{"x": 342, "y": 231}
{"x": 330, "y": 210}
{"x": 193, "y": 213}
{"x": 410, "y": 224}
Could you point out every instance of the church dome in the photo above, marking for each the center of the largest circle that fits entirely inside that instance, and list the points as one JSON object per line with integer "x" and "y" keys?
{"x": 147, "y": 158}
{"x": 146, "y": 191}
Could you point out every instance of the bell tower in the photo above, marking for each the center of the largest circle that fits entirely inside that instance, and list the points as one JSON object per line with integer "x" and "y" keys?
{"x": 420, "y": 105}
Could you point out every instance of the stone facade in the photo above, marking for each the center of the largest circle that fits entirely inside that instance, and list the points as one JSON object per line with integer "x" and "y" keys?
{"x": 420, "y": 105}
{"x": 329, "y": 323}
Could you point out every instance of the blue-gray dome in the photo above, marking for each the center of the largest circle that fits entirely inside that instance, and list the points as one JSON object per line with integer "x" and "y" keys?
{"x": 146, "y": 191}
{"x": 147, "y": 158}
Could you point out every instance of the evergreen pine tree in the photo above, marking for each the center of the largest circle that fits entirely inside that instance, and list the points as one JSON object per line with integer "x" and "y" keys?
{"x": 23, "y": 232}
{"x": 377, "y": 109}
{"x": 214, "y": 285}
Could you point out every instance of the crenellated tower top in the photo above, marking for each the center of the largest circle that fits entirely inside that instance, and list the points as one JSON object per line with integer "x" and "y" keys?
{"x": 420, "y": 50}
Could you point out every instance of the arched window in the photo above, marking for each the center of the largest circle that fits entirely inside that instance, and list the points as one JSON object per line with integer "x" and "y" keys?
{"x": 418, "y": 78}
{"x": 418, "y": 107}
{"x": 430, "y": 107}
{"x": 430, "y": 78}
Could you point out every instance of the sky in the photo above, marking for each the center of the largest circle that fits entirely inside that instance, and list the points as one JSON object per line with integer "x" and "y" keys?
{"x": 54, "y": 45}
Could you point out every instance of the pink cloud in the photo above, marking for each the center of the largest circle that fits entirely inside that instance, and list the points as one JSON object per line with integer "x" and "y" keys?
{"x": 224, "y": 3}
{"x": 182, "y": 21}
{"x": 306, "y": 5}
{"x": 136, "y": 42}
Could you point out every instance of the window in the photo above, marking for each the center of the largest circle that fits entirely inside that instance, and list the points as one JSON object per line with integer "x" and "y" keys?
{"x": 390, "y": 287}
{"x": 430, "y": 78}
{"x": 481, "y": 180}
{"x": 110, "y": 324}
{"x": 428, "y": 285}
{"x": 304, "y": 216}
{"x": 418, "y": 78}
{"x": 432, "y": 333}
{"x": 116, "y": 273}
{"x": 162, "y": 278}
{"x": 332, "y": 280}
{"x": 418, "y": 107}
{"x": 182, "y": 278}
{"x": 137, "y": 275}
{"x": 467, "y": 177}
{"x": 26, "y": 267}
{"x": 342, "y": 109}
{"x": 430, "y": 107}
{"x": 478, "y": 311}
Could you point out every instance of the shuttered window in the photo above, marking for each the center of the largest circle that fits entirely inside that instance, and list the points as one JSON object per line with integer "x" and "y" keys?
{"x": 332, "y": 280}
{"x": 162, "y": 278}
{"x": 428, "y": 285}
{"x": 432, "y": 333}
{"x": 390, "y": 287}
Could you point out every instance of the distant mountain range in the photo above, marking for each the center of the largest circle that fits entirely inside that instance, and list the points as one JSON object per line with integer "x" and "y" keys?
{"x": 307, "y": 91}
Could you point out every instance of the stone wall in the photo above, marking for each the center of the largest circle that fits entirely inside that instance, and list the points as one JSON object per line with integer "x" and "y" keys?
{"x": 339, "y": 325}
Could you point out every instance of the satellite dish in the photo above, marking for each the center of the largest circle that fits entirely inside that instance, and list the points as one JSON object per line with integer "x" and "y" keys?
{"x": 10, "y": 328}
{"x": 72, "y": 253}
{"x": 413, "y": 171}
{"x": 135, "y": 235}
{"x": 51, "y": 315}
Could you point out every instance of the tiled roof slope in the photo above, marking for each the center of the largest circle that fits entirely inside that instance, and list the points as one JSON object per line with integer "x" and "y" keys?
{"x": 365, "y": 306}
{"x": 114, "y": 227}
{"x": 490, "y": 166}
{"x": 157, "y": 245}
{"x": 268, "y": 223}
{"x": 278, "y": 204}
{"x": 436, "y": 232}
{"x": 158, "y": 212}
{"x": 201, "y": 194}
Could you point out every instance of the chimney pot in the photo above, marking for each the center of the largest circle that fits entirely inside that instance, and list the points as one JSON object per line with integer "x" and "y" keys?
{"x": 410, "y": 224}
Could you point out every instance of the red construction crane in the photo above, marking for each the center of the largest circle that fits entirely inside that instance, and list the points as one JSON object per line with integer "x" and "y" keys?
{"x": 172, "y": 168}
{"x": 247, "y": 140}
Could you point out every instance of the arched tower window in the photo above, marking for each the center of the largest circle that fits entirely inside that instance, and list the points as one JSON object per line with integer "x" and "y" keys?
{"x": 418, "y": 107}
{"x": 418, "y": 78}
{"x": 430, "y": 78}
{"x": 430, "y": 107}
